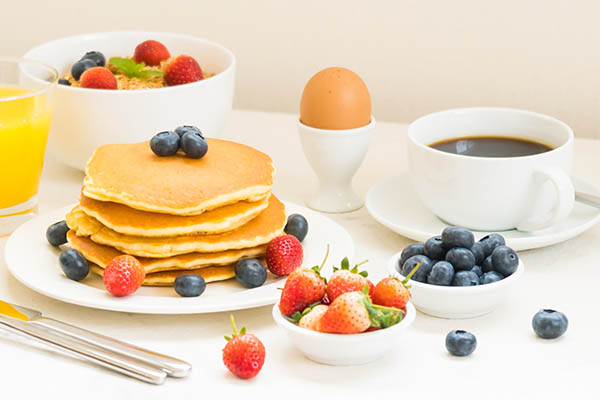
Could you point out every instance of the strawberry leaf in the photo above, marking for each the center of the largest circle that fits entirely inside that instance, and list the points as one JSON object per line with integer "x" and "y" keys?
{"x": 364, "y": 274}
{"x": 345, "y": 263}
{"x": 133, "y": 70}
{"x": 243, "y": 330}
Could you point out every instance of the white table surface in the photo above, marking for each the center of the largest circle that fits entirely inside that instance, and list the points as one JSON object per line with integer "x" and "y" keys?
{"x": 509, "y": 362}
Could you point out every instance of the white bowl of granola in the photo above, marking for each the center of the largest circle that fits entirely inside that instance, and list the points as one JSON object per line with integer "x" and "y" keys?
{"x": 84, "y": 119}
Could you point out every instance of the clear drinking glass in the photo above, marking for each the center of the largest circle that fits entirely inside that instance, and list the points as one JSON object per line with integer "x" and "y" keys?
{"x": 26, "y": 98}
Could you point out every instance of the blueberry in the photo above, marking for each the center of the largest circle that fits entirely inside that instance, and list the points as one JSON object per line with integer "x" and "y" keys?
{"x": 434, "y": 248}
{"x": 63, "y": 81}
{"x": 296, "y": 225}
{"x": 454, "y": 236}
{"x": 460, "y": 258}
{"x": 194, "y": 145}
{"x": 487, "y": 265}
{"x": 490, "y": 277}
{"x": 250, "y": 272}
{"x": 95, "y": 56}
{"x": 478, "y": 271}
{"x": 409, "y": 251}
{"x": 80, "y": 67}
{"x": 477, "y": 250}
{"x": 56, "y": 234}
{"x": 73, "y": 264}
{"x": 505, "y": 260}
{"x": 460, "y": 343}
{"x": 441, "y": 274}
{"x": 182, "y": 130}
{"x": 189, "y": 285}
{"x": 465, "y": 278}
{"x": 490, "y": 242}
{"x": 165, "y": 143}
{"x": 421, "y": 274}
{"x": 550, "y": 324}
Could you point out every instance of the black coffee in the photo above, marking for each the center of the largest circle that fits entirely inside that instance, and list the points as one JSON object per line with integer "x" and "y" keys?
{"x": 491, "y": 146}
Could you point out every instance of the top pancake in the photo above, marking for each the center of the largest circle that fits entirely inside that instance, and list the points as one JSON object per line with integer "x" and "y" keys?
{"x": 133, "y": 175}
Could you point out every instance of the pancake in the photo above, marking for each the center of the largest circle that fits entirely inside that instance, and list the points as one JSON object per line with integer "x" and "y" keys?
{"x": 167, "y": 278}
{"x": 129, "y": 221}
{"x": 266, "y": 226}
{"x": 133, "y": 175}
{"x": 102, "y": 255}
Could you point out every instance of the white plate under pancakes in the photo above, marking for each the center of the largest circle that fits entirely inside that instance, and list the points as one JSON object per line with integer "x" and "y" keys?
{"x": 34, "y": 263}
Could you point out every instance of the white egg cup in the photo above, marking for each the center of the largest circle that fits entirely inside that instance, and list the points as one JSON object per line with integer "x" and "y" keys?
{"x": 335, "y": 155}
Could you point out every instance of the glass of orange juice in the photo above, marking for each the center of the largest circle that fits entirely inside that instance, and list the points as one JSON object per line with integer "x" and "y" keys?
{"x": 26, "y": 97}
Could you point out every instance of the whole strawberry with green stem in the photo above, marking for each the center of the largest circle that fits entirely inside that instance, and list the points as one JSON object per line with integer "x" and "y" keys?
{"x": 393, "y": 292}
{"x": 346, "y": 279}
{"x": 244, "y": 353}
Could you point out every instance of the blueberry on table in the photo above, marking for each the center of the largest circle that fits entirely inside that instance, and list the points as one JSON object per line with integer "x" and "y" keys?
{"x": 550, "y": 324}
{"x": 478, "y": 271}
{"x": 297, "y": 226}
{"x": 95, "y": 56}
{"x": 487, "y": 265}
{"x": 460, "y": 258}
{"x": 441, "y": 274}
{"x": 63, "y": 81}
{"x": 56, "y": 234}
{"x": 460, "y": 343}
{"x": 490, "y": 277}
{"x": 421, "y": 274}
{"x": 454, "y": 236}
{"x": 73, "y": 264}
{"x": 477, "y": 250}
{"x": 182, "y": 130}
{"x": 434, "y": 248}
{"x": 465, "y": 278}
{"x": 189, "y": 285}
{"x": 490, "y": 242}
{"x": 80, "y": 67}
{"x": 165, "y": 144}
{"x": 194, "y": 145}
{"x": 409, "y": 251}
{"x": 250, "y": 272}
{"x": 505, "y": 260}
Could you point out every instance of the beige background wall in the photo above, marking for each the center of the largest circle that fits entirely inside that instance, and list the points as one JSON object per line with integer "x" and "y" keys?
{"x": 416, "y": 56}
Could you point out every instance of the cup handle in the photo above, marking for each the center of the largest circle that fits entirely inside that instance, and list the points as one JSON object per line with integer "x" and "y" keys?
{"x": 565, "y": 198}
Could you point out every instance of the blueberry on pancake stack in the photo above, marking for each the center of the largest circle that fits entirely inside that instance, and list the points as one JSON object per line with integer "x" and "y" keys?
{"x": 176, "y": 214}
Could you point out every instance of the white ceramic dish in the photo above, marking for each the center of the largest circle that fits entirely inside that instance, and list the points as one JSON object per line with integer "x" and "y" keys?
{"x": 84, "y": 119}
{"x": 457, "y": 302}
{"x": 337, "y": 349}
{"x": 394, "y": 204}
{"x": 34, "y": 263}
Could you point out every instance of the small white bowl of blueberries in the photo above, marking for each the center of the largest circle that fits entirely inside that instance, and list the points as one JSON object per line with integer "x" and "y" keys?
{"x": 453, "y": 276}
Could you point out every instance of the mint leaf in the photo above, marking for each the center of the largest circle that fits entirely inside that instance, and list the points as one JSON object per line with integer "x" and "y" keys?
{"x": 133, "y": 70}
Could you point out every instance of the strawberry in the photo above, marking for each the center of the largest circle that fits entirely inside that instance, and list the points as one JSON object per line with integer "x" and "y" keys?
{"x": 391, "y": 292}
{"x": 371, "y": 287}
{"x": 98, "y": 78}
{"x": 345, "y": 280}
{"x": 284, "y": 255}
{"x": 353, "y": 312}
{"x": 123, "y": 275}
{"x": 150, "y": 52}
{"x": 182, "y": 69}
{"x": 244, "y": 354}
{"x": 311, "y": 319}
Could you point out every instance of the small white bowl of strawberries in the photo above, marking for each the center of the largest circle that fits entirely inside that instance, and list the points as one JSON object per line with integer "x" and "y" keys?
{"x": 346, "y": 320}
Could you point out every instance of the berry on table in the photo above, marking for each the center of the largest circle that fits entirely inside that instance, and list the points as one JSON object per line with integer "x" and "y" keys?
{"x": 80, "y": 67}
{"x": 98, "y": 78}
{"x": 460, "y": 258}
{"x": 296, "y": 225}
{"x": 490, "y": 277}
{"x": 250, "y": 272}
{"x": 95, "y": 56}
{"x": 454, "y": 236}
{"x": 284, "y": 255}
{"x": 189, "y": 285}
{"x": 465, "y": 278}
{"x": 422, "y": 272}
{"x": 63, "y": 81}
{"x": 441, "y": 274}
{"x": 490, "y": 242}
{"x": 409, "y": 251}
{"x": 73, "y": 264}
{"x": 165, "y": 144}
{"x": 123, "y": 275}
{"x": 56, "y": 234}
{"x": 193, "y": 144}
{"x": 434, "y": 248}
{"x": 550, "y": 324}
{"x": 505, "y": 260}
{"x": 151, "y": 52}
{"x": 244, "y": 354}
{"x": 460, "y": 343}
{"x": 182, "y": 69}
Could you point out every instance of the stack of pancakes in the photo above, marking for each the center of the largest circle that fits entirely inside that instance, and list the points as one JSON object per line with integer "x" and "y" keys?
{"x": 176, "y": 214}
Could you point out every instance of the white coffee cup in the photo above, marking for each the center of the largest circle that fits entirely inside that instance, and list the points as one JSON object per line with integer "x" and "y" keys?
{"x": 493, "y": 193}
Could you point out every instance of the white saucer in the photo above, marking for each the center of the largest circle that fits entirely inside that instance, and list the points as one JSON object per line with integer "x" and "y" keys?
{"x": 34, "y": 263}
{"x": 394, "y": 203}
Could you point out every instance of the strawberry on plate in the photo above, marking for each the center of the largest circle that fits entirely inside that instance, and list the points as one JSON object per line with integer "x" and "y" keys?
{"x": 182, "y": 69}
{"x": 151, "y": 52}
{"x": 345, "y": 280}
{"x": 244, "y": 353}
{"x": 123, "y": 275}
{"x": 284, "y": 255}
{"x": 98, "y": 78}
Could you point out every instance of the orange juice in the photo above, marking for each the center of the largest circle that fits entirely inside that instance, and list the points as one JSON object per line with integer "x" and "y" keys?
{"x": 24, "y": 125}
